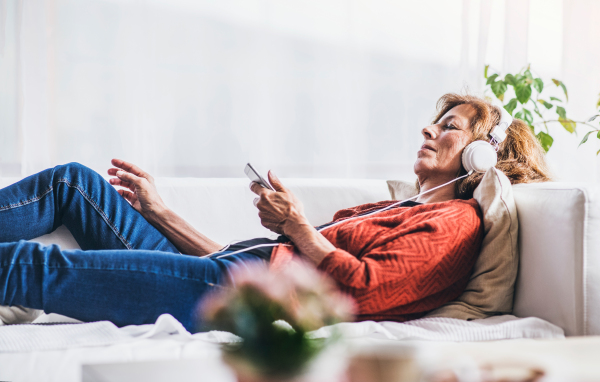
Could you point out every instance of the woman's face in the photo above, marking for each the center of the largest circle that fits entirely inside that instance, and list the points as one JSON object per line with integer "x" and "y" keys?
{"x": 440, "y": 156}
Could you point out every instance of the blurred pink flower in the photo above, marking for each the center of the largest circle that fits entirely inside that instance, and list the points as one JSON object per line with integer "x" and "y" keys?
{"x": 308, "y": 298}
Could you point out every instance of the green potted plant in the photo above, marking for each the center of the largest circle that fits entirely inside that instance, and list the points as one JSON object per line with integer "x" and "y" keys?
{"x": 527, "y": 97}
{"x": 273, "y": 312}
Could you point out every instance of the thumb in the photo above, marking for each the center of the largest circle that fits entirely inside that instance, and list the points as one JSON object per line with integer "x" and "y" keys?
{"x": 275, "y": 182}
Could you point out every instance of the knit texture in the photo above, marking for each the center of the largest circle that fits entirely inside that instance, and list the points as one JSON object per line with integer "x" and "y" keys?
{"x": 401, "y": 263}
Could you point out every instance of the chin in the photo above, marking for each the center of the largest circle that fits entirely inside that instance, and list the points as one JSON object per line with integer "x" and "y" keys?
{"x": 421, "y": 166}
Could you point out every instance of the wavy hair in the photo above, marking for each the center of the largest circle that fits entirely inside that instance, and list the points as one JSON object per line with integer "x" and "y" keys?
{"x": 520, "y": 156}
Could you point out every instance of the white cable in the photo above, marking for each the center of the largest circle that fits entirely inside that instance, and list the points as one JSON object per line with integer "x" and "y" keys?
{"x": 249, "y": 248}
{"x": 342, "y": 221}
{"x": 395, "y": 204}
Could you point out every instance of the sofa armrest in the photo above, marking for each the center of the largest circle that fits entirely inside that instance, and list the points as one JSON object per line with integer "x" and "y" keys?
{"x": 559, "y": 244}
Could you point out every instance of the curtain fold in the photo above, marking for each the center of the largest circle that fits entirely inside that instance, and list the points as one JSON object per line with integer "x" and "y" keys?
{"x": 516, "y": 30}
{"x": 33, "y": 82}
{"x": 328, "y": 88}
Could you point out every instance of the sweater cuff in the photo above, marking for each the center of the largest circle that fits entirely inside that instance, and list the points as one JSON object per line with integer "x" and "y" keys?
{"x": 334, "y": 259}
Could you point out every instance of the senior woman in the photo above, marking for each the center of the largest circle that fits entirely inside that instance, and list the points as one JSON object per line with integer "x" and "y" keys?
{"x": 397, "y": 264}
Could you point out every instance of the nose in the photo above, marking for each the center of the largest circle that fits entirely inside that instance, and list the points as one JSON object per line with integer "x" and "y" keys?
{"x": 429, "y": 132}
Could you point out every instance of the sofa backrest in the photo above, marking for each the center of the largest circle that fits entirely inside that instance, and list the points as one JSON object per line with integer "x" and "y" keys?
{"x": 559, "y": 234}
{"x": 223, "y": 209}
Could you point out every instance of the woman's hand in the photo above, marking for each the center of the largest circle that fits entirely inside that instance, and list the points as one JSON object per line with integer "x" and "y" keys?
{"x": 282, "y": 212}
{"x": 140, "y": 190}
{"x": 279, "y": 210}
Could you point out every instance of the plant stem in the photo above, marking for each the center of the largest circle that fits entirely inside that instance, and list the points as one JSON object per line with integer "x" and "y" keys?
{"x": 556, "y": 120}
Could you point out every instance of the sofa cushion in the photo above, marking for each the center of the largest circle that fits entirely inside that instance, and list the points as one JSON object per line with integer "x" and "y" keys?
{"x": 491, "y": 287}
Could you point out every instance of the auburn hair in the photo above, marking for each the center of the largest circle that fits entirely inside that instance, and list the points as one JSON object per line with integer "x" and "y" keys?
{"x": 520, "y": 156}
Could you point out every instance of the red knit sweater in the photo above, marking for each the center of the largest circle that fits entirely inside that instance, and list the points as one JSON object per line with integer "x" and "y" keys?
{"x": 403, "y": 262}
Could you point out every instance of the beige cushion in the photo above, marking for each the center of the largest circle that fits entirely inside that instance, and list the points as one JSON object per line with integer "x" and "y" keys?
{"x": 491, "y": 288}
{"x": 401, "y": 190}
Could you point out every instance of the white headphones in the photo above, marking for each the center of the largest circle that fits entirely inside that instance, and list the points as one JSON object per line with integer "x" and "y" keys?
{"x": 479, "y": 156}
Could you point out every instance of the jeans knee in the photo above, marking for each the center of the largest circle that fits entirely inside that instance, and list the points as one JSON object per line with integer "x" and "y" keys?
{"x": 74, "y": 170}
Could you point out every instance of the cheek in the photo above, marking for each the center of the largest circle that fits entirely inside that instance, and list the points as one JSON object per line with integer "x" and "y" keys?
{"x": 453, "y": 152}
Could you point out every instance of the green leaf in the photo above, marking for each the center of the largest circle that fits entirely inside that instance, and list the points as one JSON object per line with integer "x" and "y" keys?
{"x": 485, "y": 70}
{"x": 519, "y": 115}
{"x": 523, "y": 93}
{"x": 561, "y": 112}
{"x": 538, "y": 113}
{"x": 564, "y": 88}
{"x": 555, "y": 99}
{"x": 562, "y": 85}
{"x": 593, "y": 117}
{"x": 597, "y": 152}
{"x": 499, "y": 88}
{"x": 598, "y": 135}
{"x": 547, "y": 105}
{"x": 568, "y": 124}
{"x": 511, "y": 105}
{"x": 585, "y": 137}
{"x": 545, "y": 140}
{"x": 538, "y": 85}
{"x": 598, "y": 104}
{"x": 510, "y": 79}
{"x": 491, "y": 79}
{"x": 527, "y": 78}
{"x": 528, "y": 117}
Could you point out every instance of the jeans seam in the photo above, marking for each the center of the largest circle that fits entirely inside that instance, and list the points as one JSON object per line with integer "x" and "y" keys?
{"x": 99, "y": 210}
{"x": 104, "y": 269}
{"x": 28, "y": 201}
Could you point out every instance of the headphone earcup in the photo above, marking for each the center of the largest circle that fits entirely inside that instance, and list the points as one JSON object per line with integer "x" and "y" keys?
{"x": 479, "y": 156}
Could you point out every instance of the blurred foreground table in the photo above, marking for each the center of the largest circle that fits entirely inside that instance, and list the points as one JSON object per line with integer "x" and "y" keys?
{"x": 575, "y": 359}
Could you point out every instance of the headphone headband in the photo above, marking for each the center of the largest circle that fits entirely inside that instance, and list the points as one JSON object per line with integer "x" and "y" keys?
{"x": 498, "y": 134}
{"x": 479, "y": 156}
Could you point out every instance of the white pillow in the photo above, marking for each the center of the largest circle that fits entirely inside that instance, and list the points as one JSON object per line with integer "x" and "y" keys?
{"x": 491, "y": 287}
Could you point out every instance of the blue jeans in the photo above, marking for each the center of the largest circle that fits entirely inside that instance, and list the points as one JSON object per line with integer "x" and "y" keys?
{"x": 127, "y": 271}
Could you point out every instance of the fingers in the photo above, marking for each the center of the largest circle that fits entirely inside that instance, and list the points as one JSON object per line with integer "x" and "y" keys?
{"x": 275, "y": 182}
{"x": 129, "y": 167}
{"x": 128, "y": 195}
{"x": 128, "y": 177}
{"x": 258, "y": 189}
{"x": 269, "y": 223}
{"x": 120, "y": 183}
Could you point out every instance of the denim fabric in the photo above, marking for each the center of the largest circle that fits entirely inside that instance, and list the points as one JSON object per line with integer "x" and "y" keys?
{"x": 127, "y": 271}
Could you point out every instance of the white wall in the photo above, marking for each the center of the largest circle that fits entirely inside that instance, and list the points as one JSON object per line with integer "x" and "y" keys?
{"x": 319, "y": 88}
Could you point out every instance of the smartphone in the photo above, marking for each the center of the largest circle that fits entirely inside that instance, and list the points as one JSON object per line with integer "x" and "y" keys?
{"x": 255, "y": 177}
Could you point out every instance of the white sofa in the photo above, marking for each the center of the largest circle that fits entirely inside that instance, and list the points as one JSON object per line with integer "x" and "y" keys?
{"x": 559, "y": 273}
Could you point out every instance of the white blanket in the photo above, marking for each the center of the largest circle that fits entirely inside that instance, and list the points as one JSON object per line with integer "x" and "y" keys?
{"x": 28, "y": 337}
{"x": 448, "y": 329}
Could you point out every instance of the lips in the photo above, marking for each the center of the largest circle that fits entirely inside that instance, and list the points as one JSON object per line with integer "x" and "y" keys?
{"x": 427, "y": 147}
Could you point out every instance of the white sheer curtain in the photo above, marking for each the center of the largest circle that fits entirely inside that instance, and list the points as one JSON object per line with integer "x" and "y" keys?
{"x": 320, "y": 88}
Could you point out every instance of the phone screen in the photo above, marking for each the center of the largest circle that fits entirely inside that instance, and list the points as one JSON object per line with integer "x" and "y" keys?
{"x": 255, "y": 177}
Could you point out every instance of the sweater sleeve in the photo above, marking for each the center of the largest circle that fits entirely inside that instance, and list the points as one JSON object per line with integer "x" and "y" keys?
{"x": 426, "y": 260}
